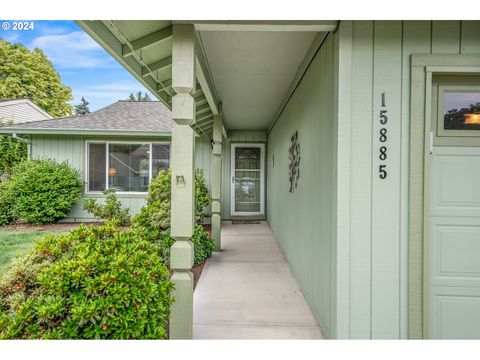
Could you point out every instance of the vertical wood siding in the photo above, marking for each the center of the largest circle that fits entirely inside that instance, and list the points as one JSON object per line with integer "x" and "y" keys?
{"x": 381, "y": 53}
{"x": 302, "y": 220}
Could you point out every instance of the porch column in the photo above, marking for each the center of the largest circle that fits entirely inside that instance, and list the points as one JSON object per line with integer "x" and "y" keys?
{"x": 217, "y": 180}
{"x": 183, "y": 180}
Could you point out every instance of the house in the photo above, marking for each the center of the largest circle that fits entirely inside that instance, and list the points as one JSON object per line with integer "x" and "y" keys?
{"x": 21, "y": 110}
{"x": 358, "y": 143}
{"x": 120, "y": 146}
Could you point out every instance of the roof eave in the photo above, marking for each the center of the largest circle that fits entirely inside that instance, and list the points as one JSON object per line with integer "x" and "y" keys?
{"x": 125, "y": 133}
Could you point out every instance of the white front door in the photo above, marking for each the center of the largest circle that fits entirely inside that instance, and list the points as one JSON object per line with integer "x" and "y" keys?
{"x": 248, "y": 178}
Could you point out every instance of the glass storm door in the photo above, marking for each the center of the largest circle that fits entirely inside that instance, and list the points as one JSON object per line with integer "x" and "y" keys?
{"x": 247, "y": 190}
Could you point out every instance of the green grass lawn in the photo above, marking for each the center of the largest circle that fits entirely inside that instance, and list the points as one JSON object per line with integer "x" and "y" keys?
{"x": 16, "y": 243}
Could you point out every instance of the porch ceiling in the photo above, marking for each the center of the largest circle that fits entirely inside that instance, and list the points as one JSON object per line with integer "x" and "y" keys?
{"x": 252, "y": 71}
{"x": 247, "y": 66}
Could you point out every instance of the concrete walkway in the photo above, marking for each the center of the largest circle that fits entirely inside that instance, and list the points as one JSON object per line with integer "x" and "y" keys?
{"x": 247, "y": 291}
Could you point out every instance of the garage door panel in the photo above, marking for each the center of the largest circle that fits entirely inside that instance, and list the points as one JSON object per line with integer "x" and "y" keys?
{"x": 456, "y": 182}
{"x": 456, "y": 314}
{"x": 452, "y": 243}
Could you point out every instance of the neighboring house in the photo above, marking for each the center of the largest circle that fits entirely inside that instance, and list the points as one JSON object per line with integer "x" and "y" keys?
{"x": 21, "y": 111}
{"x": 121, "y": 146}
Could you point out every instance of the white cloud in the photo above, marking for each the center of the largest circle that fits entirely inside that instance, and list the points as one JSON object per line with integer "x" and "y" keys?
{"x": 73, "y": 50}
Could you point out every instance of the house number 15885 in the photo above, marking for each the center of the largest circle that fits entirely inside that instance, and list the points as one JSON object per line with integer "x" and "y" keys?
{"x": 382, "y": 168}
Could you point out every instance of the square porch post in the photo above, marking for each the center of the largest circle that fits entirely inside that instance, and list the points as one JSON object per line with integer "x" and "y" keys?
{"x": 216, "y": 180}
{"x": 183, "y": 180}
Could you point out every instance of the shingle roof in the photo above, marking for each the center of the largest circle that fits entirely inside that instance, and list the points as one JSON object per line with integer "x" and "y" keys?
{"x": 122, "y": 115}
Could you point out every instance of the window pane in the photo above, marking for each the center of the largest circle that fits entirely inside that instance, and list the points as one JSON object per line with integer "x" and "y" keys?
{"x": 128, "y": 167}
{"x": 461, "y": 110}
{"x": 160, "y": 158}
{"x": 97, "y": 154}
{"x": 247, "y": 158}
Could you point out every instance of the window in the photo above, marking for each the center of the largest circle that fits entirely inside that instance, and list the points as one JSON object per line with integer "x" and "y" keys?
{"x": 127, "y": 167}
{"x": 458, "y": 110}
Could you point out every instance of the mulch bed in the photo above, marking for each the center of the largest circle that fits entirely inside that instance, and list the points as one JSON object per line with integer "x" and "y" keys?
{"x": 197, "y": 272}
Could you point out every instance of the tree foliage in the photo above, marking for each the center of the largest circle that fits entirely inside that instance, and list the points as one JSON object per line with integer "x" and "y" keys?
{"x": 82, "y": 108}
{"x": 139, "y": 97}
{"x": 29, "y": 74}
{"x": 454, "y": 119}
{"x": 12, "y": 151}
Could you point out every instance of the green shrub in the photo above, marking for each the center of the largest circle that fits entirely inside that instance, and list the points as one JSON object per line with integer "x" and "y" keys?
{"x": 153, "y": 221}
{"x": 202, "y": 196}
{"x": 44, "y": 190}
{"x": 203, "y": 244}
{"x": 6, "y": 204}
{"x": 91, "y": 283}
{"x": 111, "y": 210}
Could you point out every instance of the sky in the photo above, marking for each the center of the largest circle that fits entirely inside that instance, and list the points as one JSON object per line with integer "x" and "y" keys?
{"x": 82, "y": 64}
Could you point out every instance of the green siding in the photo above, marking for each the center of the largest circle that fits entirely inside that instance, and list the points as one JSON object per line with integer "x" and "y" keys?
{"x": 71, "y": 148}
{"x": 381, "y": 52}
{"x": 302, "y": 220}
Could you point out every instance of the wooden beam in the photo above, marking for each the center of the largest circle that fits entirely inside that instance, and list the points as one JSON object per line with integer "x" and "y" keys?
{"x": 167, "y": 84}
{"x": 204, "y": 77}
{"x": 203, "y": 108}
{"x": 102, "y": 33}
{"x": 205, "y": 123}
{"x": 148, "y": 40}
{"x": 263, "y": 25}
{"x": 206, "y": 128}
{"x": 157, "y": 65}
{"x": 204, "y": 116}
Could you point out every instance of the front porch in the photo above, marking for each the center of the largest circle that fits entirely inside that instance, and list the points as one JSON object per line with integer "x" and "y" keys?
{"x": 247, "y": 291}
{"x": 244, "y": 96}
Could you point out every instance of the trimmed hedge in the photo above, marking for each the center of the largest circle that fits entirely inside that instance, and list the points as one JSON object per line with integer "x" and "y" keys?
{"x": 44, "y": 191}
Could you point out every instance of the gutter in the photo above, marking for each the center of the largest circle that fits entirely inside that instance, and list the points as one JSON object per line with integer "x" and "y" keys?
{"x": 131, "y": 133}
{"x": 21, "y": 139}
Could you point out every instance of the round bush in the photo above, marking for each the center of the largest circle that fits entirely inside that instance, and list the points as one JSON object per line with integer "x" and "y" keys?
{"x": 90, "y": 283}
{"x": 44, "y": 190}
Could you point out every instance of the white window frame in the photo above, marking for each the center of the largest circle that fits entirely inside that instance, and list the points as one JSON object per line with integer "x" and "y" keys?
{"x": 107, "y": 143}
{"x": 261, "y": 146}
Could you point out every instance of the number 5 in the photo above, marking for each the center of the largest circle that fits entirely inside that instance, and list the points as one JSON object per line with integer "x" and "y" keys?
{"x": 383, "y": 117}
{"x": 382, "y": 171}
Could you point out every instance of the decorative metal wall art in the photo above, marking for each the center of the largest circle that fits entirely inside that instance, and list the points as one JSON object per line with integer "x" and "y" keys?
{"x": 294, "y": 157}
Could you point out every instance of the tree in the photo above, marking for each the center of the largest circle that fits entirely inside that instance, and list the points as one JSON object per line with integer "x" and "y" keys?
{"x": 82, "y": 108}
{"x": 139, "y": 97}
{"x": 29, "y": 74}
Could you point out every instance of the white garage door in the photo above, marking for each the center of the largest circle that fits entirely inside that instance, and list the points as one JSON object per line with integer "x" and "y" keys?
{"x": 453, "y": 245}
